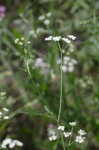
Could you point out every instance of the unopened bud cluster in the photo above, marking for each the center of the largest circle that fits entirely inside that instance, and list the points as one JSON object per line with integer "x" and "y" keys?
{"x": 21, "y": 41}
{"x": 4, "y": 114}
{"x": 45, "y": 18}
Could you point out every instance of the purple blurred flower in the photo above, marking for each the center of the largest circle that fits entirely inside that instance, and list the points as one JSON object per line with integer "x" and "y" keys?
{"x": 2, "y": 11}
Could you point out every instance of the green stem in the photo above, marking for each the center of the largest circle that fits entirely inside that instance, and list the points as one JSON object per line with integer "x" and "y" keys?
{"x": 70, "y": 138}
{"x": 61, "y": 82}
{"x": 63, "y": 143}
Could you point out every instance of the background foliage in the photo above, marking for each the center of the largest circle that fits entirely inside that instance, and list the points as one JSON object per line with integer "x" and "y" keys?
{"x": 32, "y": 94}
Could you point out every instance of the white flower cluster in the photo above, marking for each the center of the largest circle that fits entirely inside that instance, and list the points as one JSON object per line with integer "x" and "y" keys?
{"x": 4, "y": 114}
{"x": 35, "y": 33}
{"x": 73, "y": 124}
{"x": 10, "y": 143}
{"x": 59, "y": 38}
{"x": 52, "y": 132}
{"x": 71, "y": 37}
{"x": 68, "y": 64}
{"x": 53, "y": 137}
{"x": 85, "y": 82}
{"x": 67, "y": 134}
{"x": 61, "y": 128}
{"x": 21, "y": 41}
{"x": 55, "y": 133}
{"x": 45, "y": 18}
{"x": 39, "y": 63}
{"x": 80, "y": 138}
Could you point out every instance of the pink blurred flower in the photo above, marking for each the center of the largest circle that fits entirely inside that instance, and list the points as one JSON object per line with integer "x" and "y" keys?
{"x": 2, "y": 11}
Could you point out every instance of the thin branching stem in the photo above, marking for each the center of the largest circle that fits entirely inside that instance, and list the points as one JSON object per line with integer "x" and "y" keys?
{"x": 61, "y": 84}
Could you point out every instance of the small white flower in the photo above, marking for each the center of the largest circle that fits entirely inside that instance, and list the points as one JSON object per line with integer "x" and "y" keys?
{"x": 61, "y": 128}
{"x": 46, "y": 22}
{"x": 3, "y": 146}
{"x": 22, "y": 38}
{"x": 79, "y": 139}
{"x": 64, "y": 68}
{"x": 72, "y": 37}
{"x": 51, "y": 130}
{"x": 16, "y": 41}
{"x": 65, "y": 62}
{"x": 20, "y": 43}
{"x": 18, "y": 143}
{"x": 66, "y": 58}
{"x": 53, "y": 138}
{"x": 58, "y": 61}
{"x": 67, "y": 134}
{"x": 48, "y": 14}
{"x": 42, "y": 65}
{"x": 56, "y": 38}
{"x": 1, "y": 113}
{"x": 39, "y": 62}
{"x": 6, "y": 117}
{"x": 66, "y": 40}
{"x": 81, "y": 132}
{"x": 74, "y": 61}
{"x": 70, "y": 68}
{"x": 28, "y": 42}
{"x": 5, "y": 109}
{"x": 53, "y": 38}
{"x": 72, "y": 123}
{"x": 6, "y": 142}
{"x": 11, "y": 143}
{"x": 41, "y": 18}
{"x": 2, "y": 93}
{"x": 70, "y": 64}
{"x": 48, "y": 38}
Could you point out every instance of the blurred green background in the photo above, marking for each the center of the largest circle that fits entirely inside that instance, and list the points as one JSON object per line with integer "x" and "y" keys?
{"x": 32, "y": 93}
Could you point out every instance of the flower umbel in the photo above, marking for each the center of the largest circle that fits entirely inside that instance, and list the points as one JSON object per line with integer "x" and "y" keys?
{"x": 61, "y": 128}
{"x": 79, "y": 139}
{"x": 72, "y": 123}
{"x": 8, "y": 142}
